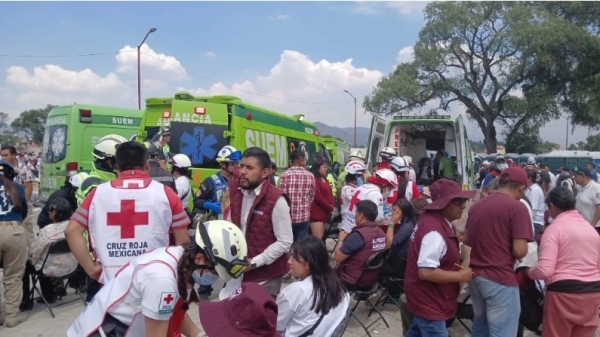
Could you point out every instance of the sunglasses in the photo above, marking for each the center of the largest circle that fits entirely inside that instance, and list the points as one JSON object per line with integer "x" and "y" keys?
{"x": 234, "y": 268}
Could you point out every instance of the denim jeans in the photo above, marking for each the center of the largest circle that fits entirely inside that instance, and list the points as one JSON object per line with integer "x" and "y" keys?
{"x": 300, "y": 230}
{"x": 496, "y": 307}
{"x": 422, "y": 327}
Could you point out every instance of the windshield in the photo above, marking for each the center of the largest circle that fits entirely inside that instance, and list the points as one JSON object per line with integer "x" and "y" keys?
{"x": 54, "y": 147}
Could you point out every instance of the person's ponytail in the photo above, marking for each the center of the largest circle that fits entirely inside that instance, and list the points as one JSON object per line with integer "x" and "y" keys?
{"x": 184, "y": 279}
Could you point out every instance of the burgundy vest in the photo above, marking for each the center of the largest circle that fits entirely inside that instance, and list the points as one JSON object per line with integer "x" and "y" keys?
{"x": 354, "y": 265}
{"x": 428, "y": 300}
{"x": 259, "y": 229}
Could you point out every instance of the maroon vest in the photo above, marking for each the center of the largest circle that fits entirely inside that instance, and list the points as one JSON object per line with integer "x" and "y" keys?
{"x": 259, "y": 229}
{"x": 354, "y": 265}
{"x": 428, "y": 300}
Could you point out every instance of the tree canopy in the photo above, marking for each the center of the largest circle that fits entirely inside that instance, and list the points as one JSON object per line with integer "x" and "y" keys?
{"x": 494, "y": 59}
{"x": 32, "y": 123}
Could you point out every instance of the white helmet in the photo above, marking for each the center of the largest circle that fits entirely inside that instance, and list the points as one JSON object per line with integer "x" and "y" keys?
{"x": 78, "y": 179}
{"x": 107, "y": 146}
{"x": 387, "y": 175}
{"x": 356, "y": 156}
{"x": 225, "y": 246}
{"x": 399, "y": 164}
{"x": 181, "y": 160}
{"x": 408, "y": 159}
{"x": 388, "y": 153}
{"x": 229, "y": 154}
{"x": 355, "y": 167}
{"x": 530, "y": 161}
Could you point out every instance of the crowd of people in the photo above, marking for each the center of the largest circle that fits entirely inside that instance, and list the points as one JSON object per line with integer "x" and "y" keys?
{"x": 148, "y": 245}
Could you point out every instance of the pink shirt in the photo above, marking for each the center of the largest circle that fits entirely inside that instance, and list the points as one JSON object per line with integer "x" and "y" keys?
{"x": 570, "y": 250}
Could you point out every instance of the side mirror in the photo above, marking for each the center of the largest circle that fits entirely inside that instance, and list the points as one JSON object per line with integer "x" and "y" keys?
{"x": 336, "y": 168}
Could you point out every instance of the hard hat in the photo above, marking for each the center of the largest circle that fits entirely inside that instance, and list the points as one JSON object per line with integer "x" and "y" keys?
{"x": 78, "y": 179}
{"x": 229, "y": 154}
{"x": 181, "y": 160}
{"x": 530, "y": 161}
{"x": 355, "y": 167}
{"x": 165, "y": 131}
{"x": 408, "y": 159}
{"x": 107, "y": 146}
{"x": 225, "y": 246}
{"x": 399, "y": 164}
{"x": 388, "y": 153}
{"x": 388, "y": 176}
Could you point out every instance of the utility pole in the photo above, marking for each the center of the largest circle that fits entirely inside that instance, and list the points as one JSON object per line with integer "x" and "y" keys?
{"x": 139, "y": 76}
{"x": 567, "y": 138}
{"x": 346, "y": 91}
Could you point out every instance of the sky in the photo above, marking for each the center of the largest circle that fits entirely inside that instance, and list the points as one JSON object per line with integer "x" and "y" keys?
{"x": 291, "y": 57}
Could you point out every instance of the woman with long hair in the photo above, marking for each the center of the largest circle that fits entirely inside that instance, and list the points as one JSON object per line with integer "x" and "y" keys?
{"x": 323, "y": 203}
{"x": 13, "y": 245}
{"x": 569, "y": 259}
{"x": 398, "y": 240}
{"x": 318, "y": 300}
{"x": 150, "y": 295}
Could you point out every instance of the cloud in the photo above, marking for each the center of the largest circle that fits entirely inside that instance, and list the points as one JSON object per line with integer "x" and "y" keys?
{"x": 297, "y": 84}
{"x": 405, "y": 55}
{"x": 280, "y": 17}
{"x": 378, "y": 8}
{"x": 210, "y": 54}
{"x": 154, "y": 64}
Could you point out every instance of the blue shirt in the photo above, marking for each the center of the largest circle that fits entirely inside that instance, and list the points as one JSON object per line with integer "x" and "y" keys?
{"x": 488, "y": 179}
{"x": 6, "y": 208}
{"x": 594, "y": 176}
{"x": 401, "y": 240}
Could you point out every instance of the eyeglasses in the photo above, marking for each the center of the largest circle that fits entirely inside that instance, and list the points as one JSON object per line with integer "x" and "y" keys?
{"x": 234, "y": 268}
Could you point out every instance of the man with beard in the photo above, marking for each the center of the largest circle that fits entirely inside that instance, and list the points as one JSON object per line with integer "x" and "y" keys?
{"x": 263, "y": 213}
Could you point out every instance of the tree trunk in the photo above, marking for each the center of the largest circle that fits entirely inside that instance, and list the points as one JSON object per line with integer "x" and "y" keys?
{"x": 490, "y": 138}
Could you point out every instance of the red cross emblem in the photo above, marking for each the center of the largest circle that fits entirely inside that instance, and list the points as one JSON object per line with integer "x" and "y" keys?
{"x": 354, "y": 201}
{"x": 168, "y": 299}
{"x": 127, "y": 218}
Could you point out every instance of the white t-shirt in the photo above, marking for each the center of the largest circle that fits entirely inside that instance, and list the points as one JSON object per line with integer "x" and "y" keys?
{"x": 150, "y": 284}
{"x": 531, "y": 258}
{"x": 535, "y": 194}
{"x": 587, "y": 199}
{"x": 363, "y": 192}
{"x": 346, "y": 194}
{"x": 182, "y": 183}
{"x": 295, "y": 315}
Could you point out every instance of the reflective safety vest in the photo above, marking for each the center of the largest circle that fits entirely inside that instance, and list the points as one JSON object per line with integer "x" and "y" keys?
{"x": 93, "y": 315}
{"x": 127, "y": 221}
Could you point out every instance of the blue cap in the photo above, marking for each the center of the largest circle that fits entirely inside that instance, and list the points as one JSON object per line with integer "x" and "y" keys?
{"x": 585, "y": 171}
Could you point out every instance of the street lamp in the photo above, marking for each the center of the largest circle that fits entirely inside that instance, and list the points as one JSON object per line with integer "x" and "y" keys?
{"x": 152, "y": 30}
{"x": 348, "y": 92}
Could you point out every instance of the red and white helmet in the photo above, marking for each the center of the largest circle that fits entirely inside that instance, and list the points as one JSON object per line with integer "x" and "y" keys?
{"x": 355, "y": 167}
{"x": 388, "y": 175}
{"x": 388, "y": 153}
{"x": 399, "y": 164}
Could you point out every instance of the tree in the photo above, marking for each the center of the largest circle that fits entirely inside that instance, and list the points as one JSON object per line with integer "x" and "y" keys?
{"x": 483, "y": 55}
{"x": 566, "y": 66}
{"x": 3, "y": 120}
{"x": 32, "y": 123}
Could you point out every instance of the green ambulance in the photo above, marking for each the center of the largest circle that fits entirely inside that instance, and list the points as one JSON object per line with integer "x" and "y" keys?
{"x": 339, "y": 150}
{"x": 70, "y": 134}
{"x": 202, "y": 125}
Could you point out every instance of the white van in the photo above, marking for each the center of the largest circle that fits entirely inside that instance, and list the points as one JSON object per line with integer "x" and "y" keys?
{"x": 416, "y": 136}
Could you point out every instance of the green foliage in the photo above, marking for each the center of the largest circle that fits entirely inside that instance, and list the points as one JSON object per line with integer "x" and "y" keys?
{"x": 592, "y": 143}
{"x": 514, "y": 63}
{"x": 32, "y": 123}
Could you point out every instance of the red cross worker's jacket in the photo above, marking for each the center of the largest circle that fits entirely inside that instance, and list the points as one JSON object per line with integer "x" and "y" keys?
{"x": 128, "y": 217}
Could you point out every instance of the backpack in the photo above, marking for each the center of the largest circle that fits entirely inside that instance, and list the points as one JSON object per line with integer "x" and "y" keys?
{"x": 532, "y": 305}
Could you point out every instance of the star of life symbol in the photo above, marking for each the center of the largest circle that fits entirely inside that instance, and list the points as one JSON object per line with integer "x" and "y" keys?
{"x": 198, "y": 146}
{"x": 5, "y": 206}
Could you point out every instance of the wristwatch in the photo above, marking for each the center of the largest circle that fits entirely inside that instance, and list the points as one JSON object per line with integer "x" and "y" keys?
{"x": 253, "y": 265}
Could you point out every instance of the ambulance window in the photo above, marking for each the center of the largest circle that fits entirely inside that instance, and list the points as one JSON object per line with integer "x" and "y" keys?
{"x": 54, "y": 146}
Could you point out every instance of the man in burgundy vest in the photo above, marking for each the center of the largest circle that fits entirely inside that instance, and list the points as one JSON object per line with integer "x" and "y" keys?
{"x": 263, "y": 214}
{"x": 433, "y": 276}
{"x": 355, "y": 248}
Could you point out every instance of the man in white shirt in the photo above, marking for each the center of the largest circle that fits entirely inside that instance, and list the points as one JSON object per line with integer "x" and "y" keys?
{"x": 263, "y": 213}
{"x": 588, "y": 197}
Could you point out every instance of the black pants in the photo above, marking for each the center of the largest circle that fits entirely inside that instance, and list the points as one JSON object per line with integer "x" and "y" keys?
{"x": 112, "y": 328}
{"x": 93, "y": 287}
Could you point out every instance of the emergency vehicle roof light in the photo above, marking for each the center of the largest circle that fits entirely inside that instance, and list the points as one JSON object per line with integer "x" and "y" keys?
{"x": 184, "y": 96}
{"x": 424, "y": 117}
{"x": 166, "y": 114}
{"x": 248, "y": 116}
{"x": 85, "y": 116}
{"x": 199, "y": 110}
{"x": 299, "y": 117}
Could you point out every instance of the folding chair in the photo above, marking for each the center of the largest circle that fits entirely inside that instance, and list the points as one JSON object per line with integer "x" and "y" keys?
{"x": 385, "y": 283}
{"x": 374, "y": 262}
{"x": 56, "y": 248}
{"x": 464, "y": 312}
